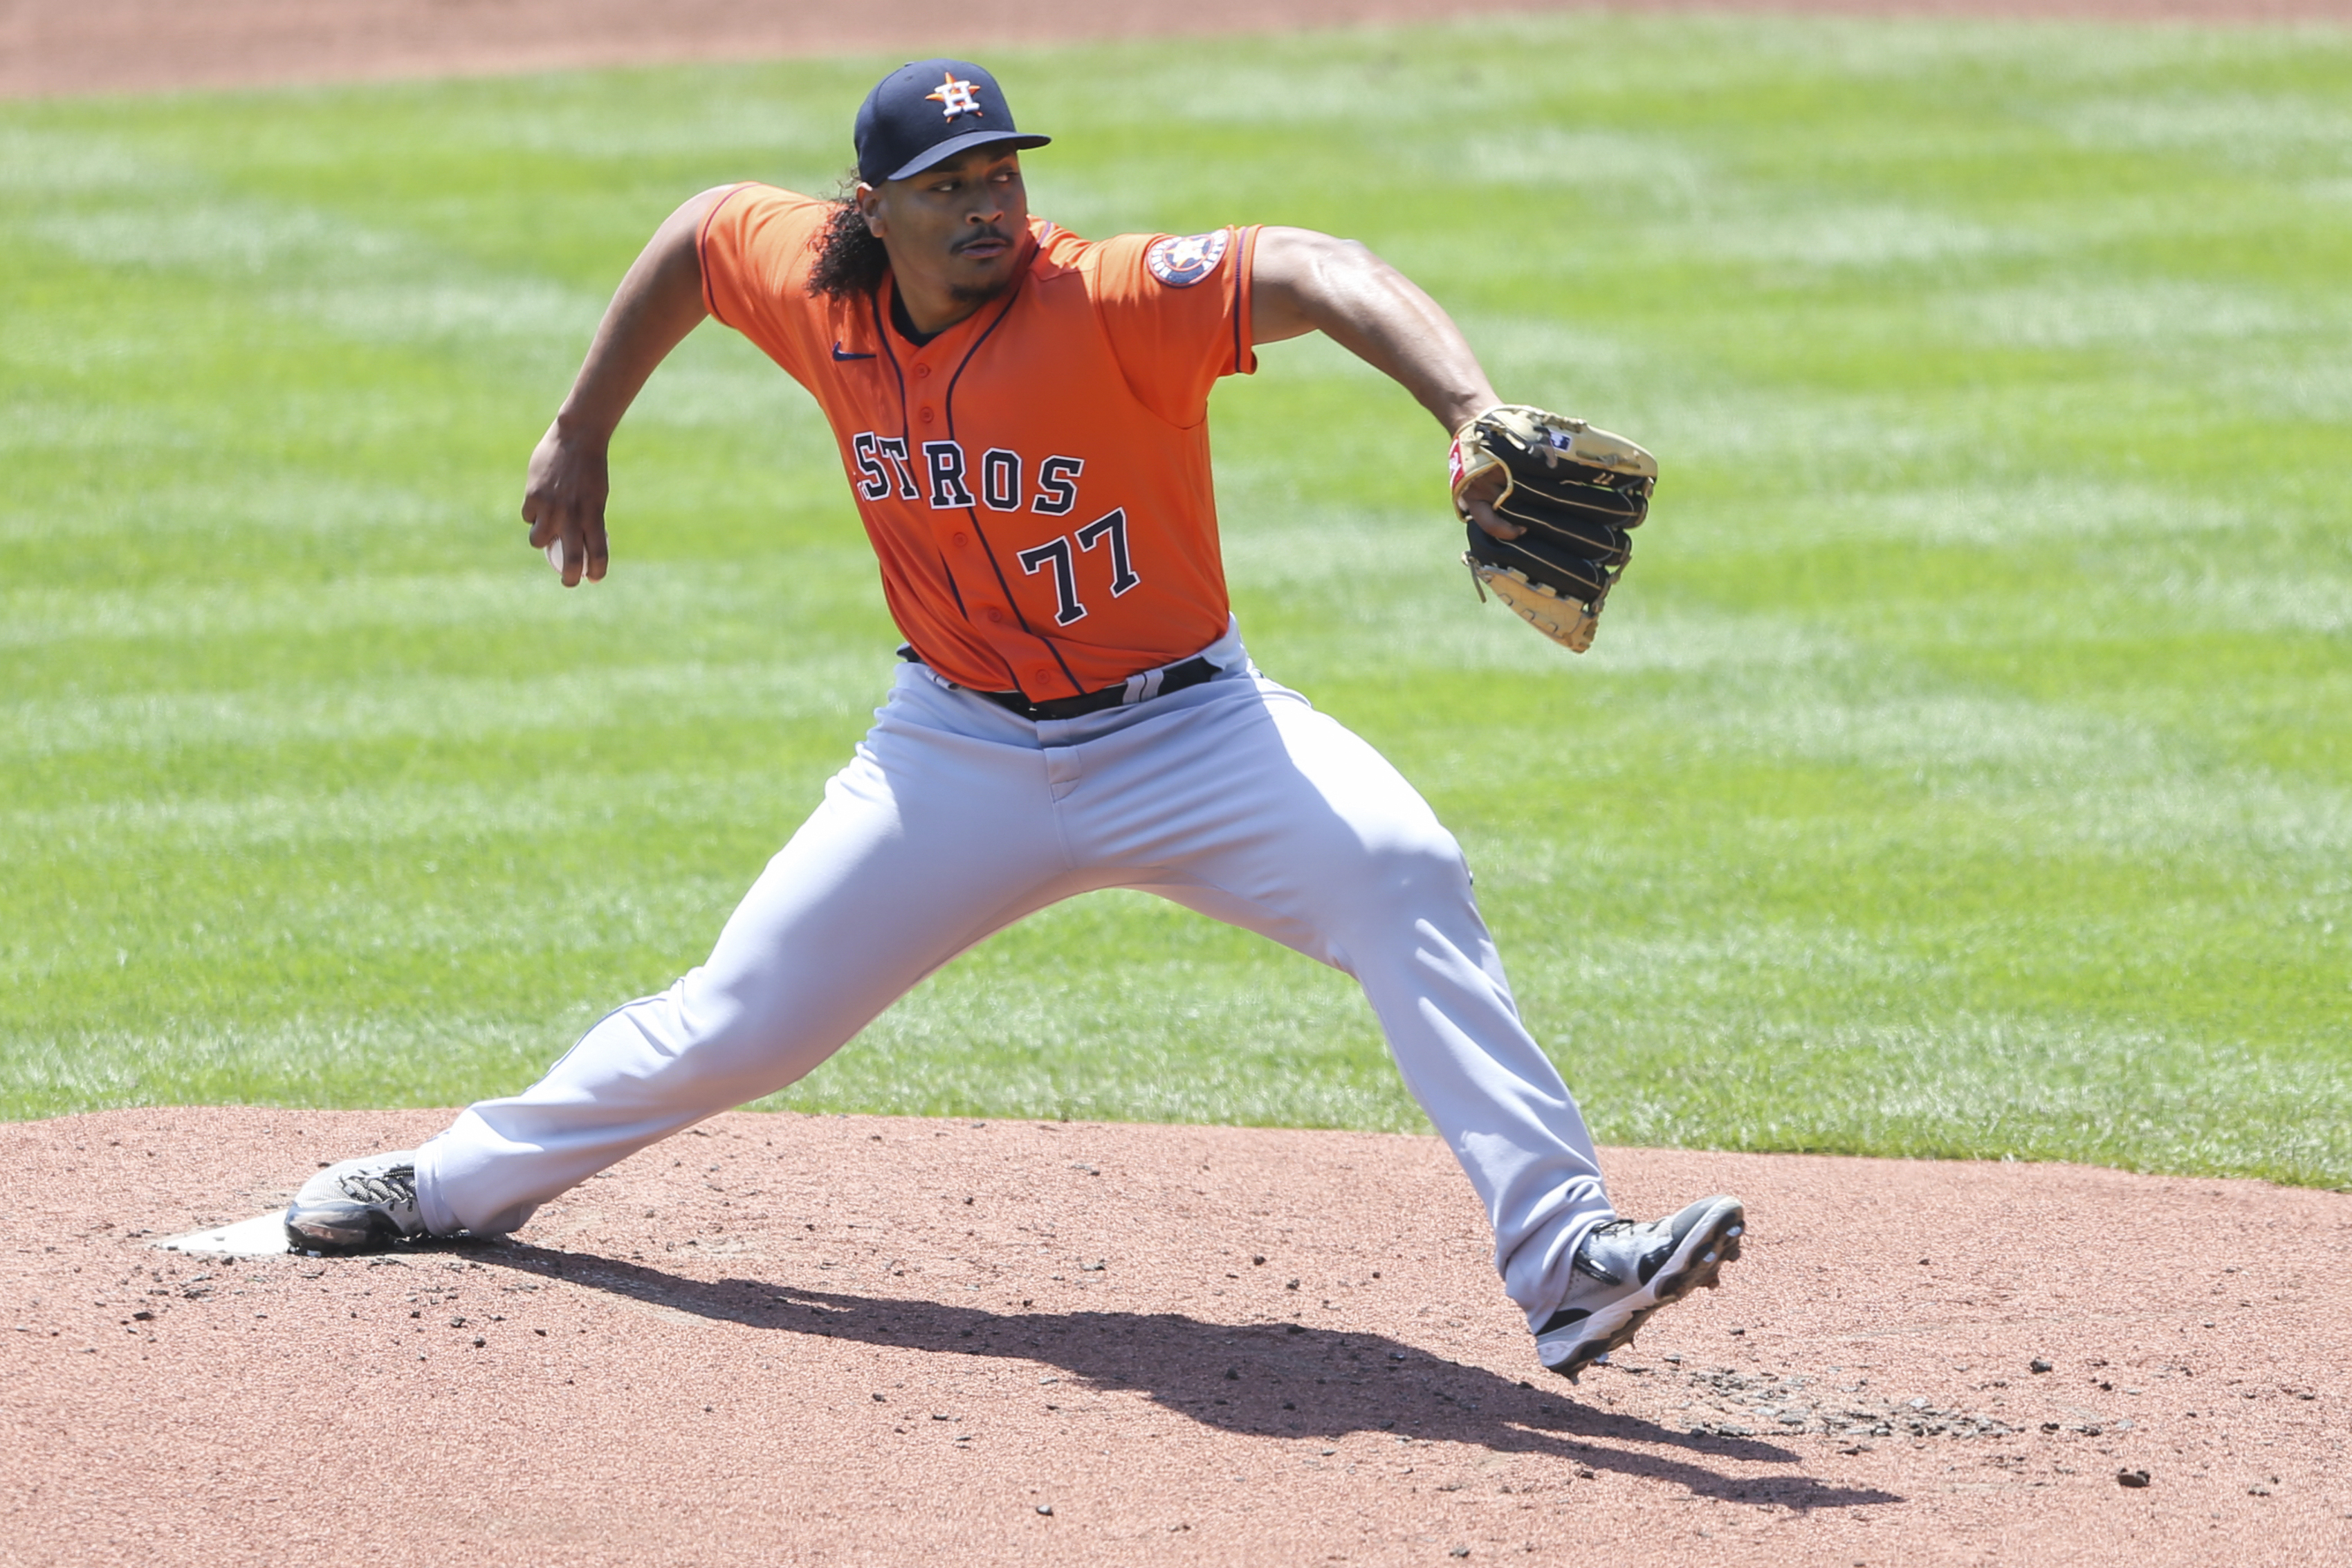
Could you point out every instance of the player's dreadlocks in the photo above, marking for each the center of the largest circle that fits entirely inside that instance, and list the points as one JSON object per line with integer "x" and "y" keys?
{"x": 849, "y": 259}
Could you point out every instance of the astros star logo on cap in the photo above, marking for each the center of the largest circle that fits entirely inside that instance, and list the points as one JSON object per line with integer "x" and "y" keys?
{"x": 956, "y": 97}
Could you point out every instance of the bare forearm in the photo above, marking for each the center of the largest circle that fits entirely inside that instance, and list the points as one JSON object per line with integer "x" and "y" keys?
{"x": 657, "y": 304}
{"x": 659, "y": 301}
{"x": 1303, "y": 281}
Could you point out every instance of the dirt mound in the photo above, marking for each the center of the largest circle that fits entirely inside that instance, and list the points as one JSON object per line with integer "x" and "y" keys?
{"x": 855, "y": 1340}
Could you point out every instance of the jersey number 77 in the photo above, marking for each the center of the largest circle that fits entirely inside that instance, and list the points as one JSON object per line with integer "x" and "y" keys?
{"x": 1057, "y": 553}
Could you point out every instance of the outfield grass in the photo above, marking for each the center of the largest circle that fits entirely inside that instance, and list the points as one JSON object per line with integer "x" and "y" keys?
{"x": 1966, "y": 768}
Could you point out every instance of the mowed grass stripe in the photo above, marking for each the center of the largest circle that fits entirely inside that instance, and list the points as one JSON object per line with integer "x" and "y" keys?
{"x": 1965, "y": 768}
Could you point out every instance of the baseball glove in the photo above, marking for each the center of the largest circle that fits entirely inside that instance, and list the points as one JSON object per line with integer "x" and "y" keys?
{"x": 1576, "y": 491}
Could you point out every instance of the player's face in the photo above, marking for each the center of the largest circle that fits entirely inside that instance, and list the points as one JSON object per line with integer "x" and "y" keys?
{"x": 955, "y": 231}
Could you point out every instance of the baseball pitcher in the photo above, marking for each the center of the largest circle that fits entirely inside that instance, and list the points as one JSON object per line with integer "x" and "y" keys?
{"x": 1023, "y": 418}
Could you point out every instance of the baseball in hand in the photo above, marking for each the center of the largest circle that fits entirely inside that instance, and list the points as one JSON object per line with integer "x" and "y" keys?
{"x": 555, "y": 556}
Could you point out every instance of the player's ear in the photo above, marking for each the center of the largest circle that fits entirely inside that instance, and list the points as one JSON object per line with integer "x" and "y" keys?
{"x": 869, "y": 206}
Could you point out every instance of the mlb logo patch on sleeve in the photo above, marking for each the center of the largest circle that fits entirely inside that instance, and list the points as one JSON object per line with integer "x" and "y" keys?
{"x": 1181, "y": 263}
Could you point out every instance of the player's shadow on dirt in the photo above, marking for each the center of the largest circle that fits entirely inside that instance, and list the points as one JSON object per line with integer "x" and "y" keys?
{"x": 1273, "y": 1379}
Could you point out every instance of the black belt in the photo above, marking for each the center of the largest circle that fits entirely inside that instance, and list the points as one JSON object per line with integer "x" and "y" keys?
{"x": 1136, "y": 689}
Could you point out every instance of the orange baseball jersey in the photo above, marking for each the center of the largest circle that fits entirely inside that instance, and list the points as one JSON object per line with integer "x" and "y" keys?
{"x": 1035, "y": 479}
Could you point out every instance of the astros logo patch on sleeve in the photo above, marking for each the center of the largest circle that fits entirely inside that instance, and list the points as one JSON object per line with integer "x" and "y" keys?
{"x": 1181, "y": 263}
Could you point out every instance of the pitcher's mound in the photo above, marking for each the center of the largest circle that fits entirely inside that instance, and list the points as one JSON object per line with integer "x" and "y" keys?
{"x": 861, "y": 1340}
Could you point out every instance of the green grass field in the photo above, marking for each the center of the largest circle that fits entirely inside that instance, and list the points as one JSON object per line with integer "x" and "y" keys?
{"x": 1965, "y": 768}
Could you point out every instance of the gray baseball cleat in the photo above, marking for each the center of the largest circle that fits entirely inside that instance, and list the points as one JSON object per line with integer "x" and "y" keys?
{"x": 1625, "y": 1271}
{"x": 360, "y": 1206}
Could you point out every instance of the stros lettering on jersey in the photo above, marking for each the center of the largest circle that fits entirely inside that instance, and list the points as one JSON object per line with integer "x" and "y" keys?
{"x": 1035, "y": 479}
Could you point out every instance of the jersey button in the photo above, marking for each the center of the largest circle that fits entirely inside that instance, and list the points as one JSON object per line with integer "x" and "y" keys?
{"x": 926, "y": 416}
{"x": 996, "y": 617}
{"x": 961, "y": 540}
{"x": 921, "y": 371}
{"x": 1043, "y": 677}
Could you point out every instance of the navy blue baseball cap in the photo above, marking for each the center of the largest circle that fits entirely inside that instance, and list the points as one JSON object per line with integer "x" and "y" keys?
{"x": 927, "y": 112}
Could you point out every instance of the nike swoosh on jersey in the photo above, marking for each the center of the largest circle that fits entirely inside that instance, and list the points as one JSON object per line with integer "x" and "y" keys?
{"x": 840, "y": 353}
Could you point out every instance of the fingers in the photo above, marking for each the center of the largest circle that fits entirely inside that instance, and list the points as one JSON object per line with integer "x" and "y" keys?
{"x": 558, "y": 533}
{"x": 596, "y": 555}
{"x": 569, "y": 555}
{"x": 1489, "y": 523}
{"x": 563, "y": 502}
{"x": 1477, "y": 504}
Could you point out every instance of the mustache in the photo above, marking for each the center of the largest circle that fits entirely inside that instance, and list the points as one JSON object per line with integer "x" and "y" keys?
{"x": 979, "y": 237}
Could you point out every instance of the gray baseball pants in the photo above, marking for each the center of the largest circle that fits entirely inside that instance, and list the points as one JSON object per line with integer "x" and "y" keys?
{"x": 954, "y": 819}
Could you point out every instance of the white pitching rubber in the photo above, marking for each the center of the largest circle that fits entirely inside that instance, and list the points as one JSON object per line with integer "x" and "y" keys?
{"x": 263, "y": 1236}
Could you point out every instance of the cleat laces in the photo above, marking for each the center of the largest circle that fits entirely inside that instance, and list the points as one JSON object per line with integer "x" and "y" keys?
{"x": 395, "y": 1185}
